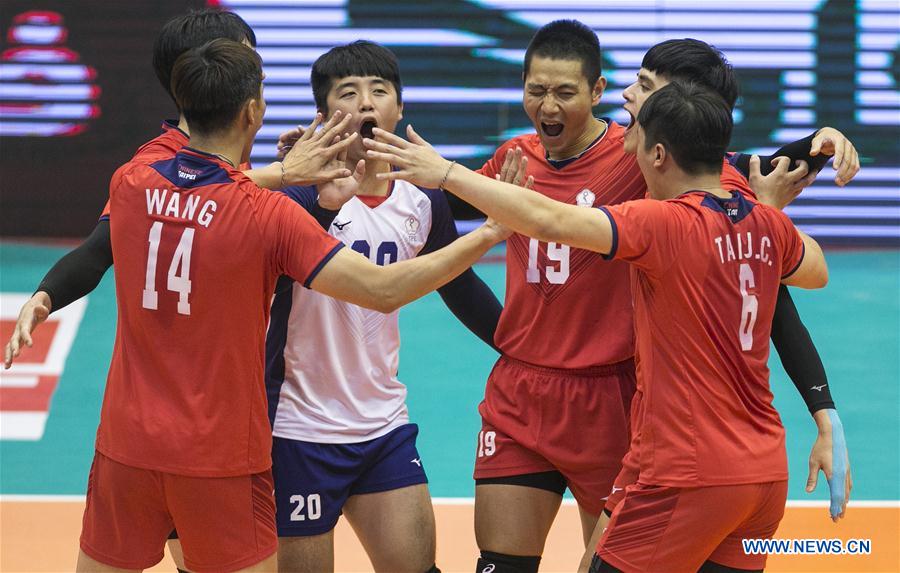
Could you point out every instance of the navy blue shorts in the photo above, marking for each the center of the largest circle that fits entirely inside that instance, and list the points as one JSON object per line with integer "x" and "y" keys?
{"x": 313, "y": 481}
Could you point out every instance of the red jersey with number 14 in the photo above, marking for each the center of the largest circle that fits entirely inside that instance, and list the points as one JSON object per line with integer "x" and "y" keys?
{"x": 565, "y": 307}
{"x": 705, "y": 282}
{"x": 197, "y": 248}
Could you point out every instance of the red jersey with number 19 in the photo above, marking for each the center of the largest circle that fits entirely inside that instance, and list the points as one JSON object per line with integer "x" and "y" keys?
{"x": 197, "y": 248}
{"x": 569, "y": 308}
{"x": 705, "y": 280}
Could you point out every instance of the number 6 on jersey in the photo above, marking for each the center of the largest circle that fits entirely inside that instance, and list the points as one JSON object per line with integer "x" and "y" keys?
{"x": 180, "y": 283}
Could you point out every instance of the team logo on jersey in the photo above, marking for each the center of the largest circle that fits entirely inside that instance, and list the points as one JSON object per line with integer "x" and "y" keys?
{"x": 412, "y": 226}
{"x": 585, "y": 198}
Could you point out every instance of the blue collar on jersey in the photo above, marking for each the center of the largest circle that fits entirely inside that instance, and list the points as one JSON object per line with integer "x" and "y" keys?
{"x": 192, "y": 168}
{"x": 735, "y": 207}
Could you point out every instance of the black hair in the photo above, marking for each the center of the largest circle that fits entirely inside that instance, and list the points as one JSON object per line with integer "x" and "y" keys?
{"x": 693, "y": 123}
{"x": 567, "y": 40}
{"x": 360, "y": 58}
{"x": 192, "y": 30}
{"x": 213, "y": 82}
{"x": 693, "y": 61}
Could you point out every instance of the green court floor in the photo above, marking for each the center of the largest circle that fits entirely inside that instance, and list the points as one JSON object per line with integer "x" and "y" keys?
{"x": 855, "y": 322}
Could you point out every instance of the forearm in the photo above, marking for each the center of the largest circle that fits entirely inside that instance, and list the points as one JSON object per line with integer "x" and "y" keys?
{"x": 80, "y": 271}
{"x": 525, "y": 211}
{"x": 798, "y": 354}
{"x": 796, "y": 151}
{"x": 403, "y": 282}
{"x": 474, "y": 304}
{"x": 269, "y": 177}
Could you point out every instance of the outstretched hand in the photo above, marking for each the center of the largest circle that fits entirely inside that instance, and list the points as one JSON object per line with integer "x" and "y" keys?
{"x": 34, "y": 312}
{"x": 415, "y": 160}
{"x": 829, "y": 455}
{"x": 310, "y": 158}
{"x": 830, "y": 141}
{"x": 514, "y": 169}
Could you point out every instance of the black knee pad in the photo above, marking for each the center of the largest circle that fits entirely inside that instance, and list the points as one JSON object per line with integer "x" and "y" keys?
{"x": 433, "y": 569}
{"x": 598, "y": 566}
{"x": 181, "y": 570}
{"x": 491, "y": 562}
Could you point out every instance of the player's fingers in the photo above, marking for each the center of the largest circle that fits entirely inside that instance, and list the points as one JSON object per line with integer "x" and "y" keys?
{"x": 529, "y": 183}
{"x": 798, "y": 172}
{"x": 390, "y": 138}
{"x": 391, "y": 158}
{"x": 336, "y": 125}
{"x": 414, "y": 136}
{"x": 311, "y": 130}
{"x": 341, "y": 144}
{"x": 7, "y": 355}
{"x": 523, "y": 164}
{"x": 382, "y": 147}
{"x": 847, "y": 172}
{"x": 838, "y": 157}
{"x": 813, "y": 477}
{"x": 360, "y": 171}
{"x": 781, "y": 164}
{"x": 507, "y": 162}
{"x": 754, "y": 166}
{"x": 391, "y": 175}
{"x": 333, "y": 174}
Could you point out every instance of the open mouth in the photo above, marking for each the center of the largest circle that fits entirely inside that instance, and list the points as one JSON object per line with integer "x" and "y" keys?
{"x": 552, "y": 129}
{"x": 366, "y": 128}
{"x": 631, "y": 120}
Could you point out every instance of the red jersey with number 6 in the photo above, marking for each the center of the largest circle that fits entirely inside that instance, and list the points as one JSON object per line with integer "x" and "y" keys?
{"x": 705, "y": 281}
{"x": 197, "y": 248}
{"x": 569, "y": 308}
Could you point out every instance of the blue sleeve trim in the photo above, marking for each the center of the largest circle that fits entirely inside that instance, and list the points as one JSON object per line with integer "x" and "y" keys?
{"x": 103, "y": 218}
{"x": 322, "y": 264}
{"x": 797, "y": 266}
{"x": 615, "y": 236}
{"x": 443, "y": 228}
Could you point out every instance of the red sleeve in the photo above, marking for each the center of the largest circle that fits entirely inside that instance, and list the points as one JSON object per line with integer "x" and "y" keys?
{"x": 299, "y": 246}
{"x": 793, "y": 249}
{"x": 645, "y": 233}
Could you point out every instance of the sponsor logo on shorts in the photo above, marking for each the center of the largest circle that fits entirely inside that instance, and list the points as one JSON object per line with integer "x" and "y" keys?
{"x": 489, "y": 569}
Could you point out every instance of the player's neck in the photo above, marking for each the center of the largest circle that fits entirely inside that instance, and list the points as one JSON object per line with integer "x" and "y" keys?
{"x": 676, "y": 182}
{"x": 182, "y": 124}
{"x": 593, "y": 130}
{"x": 229, "y": 148}
{"x": 371, "y": 185}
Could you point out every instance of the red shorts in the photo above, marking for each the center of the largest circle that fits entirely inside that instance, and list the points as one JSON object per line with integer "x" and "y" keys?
{"x": 659, "y": 528}
{"x": 630, "y": 471}
{"x": 224, "y": 524}
{"x": 537, "y": 419}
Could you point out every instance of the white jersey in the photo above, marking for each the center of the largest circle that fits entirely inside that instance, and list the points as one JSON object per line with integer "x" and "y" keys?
{"x": 340, "y": 361}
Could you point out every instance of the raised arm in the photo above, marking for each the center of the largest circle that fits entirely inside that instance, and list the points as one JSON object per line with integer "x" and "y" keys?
{"x": 522, "y": 210}
{"x": 351, "y": 277}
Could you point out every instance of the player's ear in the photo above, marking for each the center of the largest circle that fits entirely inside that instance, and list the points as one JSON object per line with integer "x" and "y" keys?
{"x": 597, "y": 90}
{"x": 660, "y": 155}
{"x": 400, "y": 112}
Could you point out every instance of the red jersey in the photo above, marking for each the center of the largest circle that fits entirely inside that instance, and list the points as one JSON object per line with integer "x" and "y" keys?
{"x": 705, "y": 280}
{"x": 198, "y": 248}
{"x": 163, "y": 146}
{"x": 565, "y": 307}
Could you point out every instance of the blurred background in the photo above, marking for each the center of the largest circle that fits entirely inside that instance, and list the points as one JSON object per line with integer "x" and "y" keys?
{"x": 78, "y": 95}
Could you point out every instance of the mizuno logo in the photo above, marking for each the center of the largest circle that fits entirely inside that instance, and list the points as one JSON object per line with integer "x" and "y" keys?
{"x": 340, "y": 226}
{"x": 818, "y": 388}
{"x": 416, "y": 461}
{"x": 615, "y": 489}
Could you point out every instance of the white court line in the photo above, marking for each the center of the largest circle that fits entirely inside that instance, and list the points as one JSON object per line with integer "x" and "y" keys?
{"x": 878, "y": 503}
